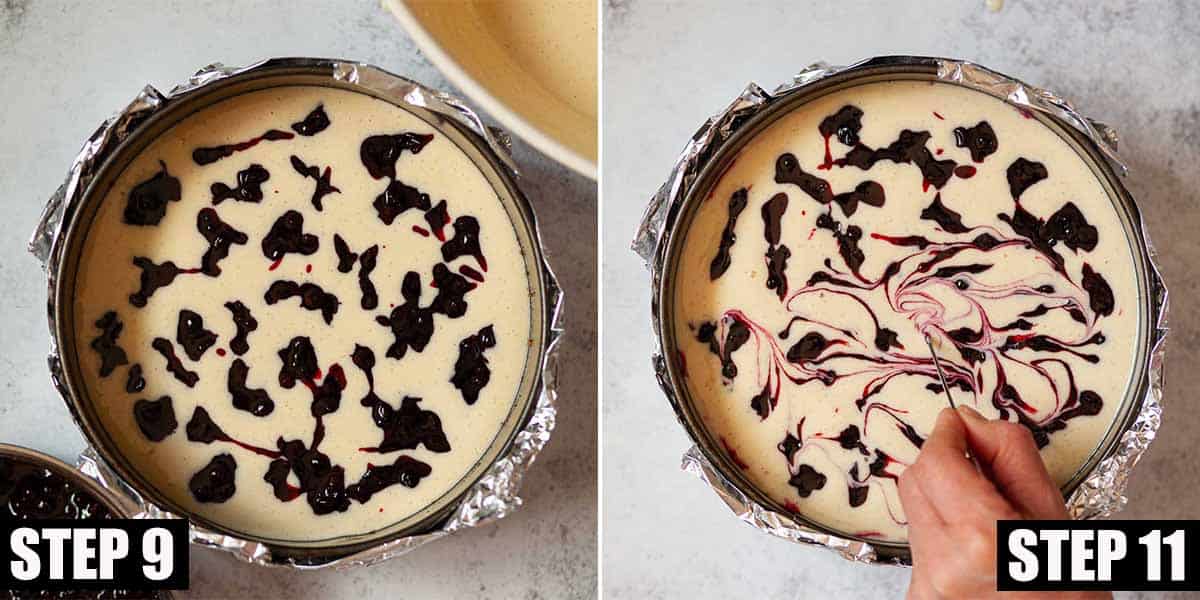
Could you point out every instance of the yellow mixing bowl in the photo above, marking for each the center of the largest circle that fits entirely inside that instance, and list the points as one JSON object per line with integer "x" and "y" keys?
{"x": 529, "y": 63}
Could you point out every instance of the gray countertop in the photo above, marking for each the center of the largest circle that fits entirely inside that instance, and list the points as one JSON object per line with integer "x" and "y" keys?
{"x": 667, "y": 67}
{"x": 66, "y": 66}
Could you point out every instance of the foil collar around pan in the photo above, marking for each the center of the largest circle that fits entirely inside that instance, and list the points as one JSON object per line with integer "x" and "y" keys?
{"x": 1101, "y": 493}
{"x": 495, "y": 494}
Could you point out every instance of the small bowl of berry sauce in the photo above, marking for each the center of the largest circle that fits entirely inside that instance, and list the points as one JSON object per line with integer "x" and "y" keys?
{"x": 36, "y": 486}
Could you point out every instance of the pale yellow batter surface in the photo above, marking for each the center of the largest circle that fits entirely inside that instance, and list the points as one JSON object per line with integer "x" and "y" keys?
{"x": 878, "y": 392}
{"x": 107, "y": 277}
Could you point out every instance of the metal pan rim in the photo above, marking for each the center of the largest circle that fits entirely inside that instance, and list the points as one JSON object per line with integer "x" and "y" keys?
{"x": 319, "y": 72}
{"x": 783, "y": 102}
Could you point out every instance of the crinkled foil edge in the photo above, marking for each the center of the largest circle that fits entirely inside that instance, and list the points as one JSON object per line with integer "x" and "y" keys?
{"x": 1100, "y": 494}
{"x": 495, "y": 494}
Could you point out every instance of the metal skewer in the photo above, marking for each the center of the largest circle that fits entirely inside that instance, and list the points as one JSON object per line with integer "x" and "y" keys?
{"x": 938, "y": 365}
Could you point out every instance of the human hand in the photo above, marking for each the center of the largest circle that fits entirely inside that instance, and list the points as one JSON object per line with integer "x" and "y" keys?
{"x": 953, "y": 505}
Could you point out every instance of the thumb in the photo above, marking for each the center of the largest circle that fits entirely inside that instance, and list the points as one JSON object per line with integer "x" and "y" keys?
{"x": 1008, "y": 455}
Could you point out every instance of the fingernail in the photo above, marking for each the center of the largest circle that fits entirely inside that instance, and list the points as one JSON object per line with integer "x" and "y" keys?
{"x": 970, "y": 413}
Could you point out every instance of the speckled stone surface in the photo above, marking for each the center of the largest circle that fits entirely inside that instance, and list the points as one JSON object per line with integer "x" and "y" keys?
{"x": 667, "y": 67}
{"x": 65, "y": 66}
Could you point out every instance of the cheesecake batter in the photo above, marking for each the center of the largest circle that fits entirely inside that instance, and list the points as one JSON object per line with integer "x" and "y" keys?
{"x": 859, "y": 223}
{"x": 304, "y": 314}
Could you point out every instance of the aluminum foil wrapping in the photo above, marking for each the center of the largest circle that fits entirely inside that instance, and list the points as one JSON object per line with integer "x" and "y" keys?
{"x": 1101, "y": 493}
{"x": 494, "y": 495}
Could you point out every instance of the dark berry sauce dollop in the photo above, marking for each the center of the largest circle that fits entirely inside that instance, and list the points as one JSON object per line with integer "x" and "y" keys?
{"x": 147, "y": 202}
{"x": 471, "y": 371}
{"x": 313, "y": 123}
{"x": 156, "y": 418}
{"x": 192, "y": 336}
{"x": 249, "y": 186}
{"x": 215, "y": 482}
{"x": 287, "y": 235}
